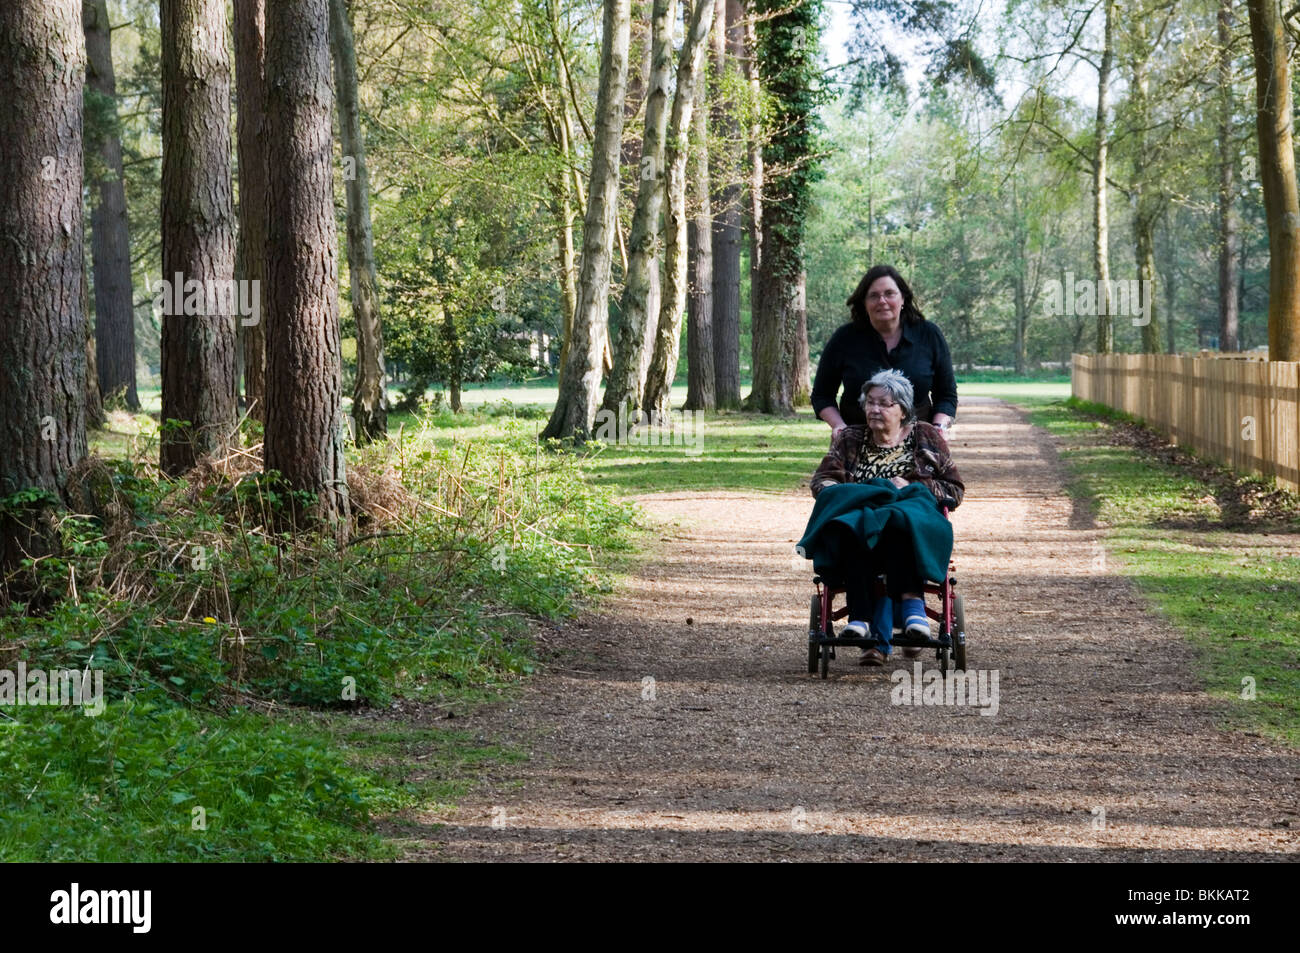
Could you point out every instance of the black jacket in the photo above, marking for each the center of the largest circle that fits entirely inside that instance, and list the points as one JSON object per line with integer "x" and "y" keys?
{"x": 856, "y": 352}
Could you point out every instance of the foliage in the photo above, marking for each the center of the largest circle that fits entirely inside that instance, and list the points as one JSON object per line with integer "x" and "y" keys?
{"x": 200, "y": 620}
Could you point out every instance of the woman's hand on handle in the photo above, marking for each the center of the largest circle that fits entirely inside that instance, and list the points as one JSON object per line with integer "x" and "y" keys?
{"x": 832, "y": 416}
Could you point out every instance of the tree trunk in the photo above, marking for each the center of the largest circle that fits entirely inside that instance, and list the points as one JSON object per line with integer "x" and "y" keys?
{"x": 774, "y": 321}
{"x": 575, "y": 409}
{"x": 786, "y": 55}
{"x": 754, "y": 141}
{"x": 250, "y": 257}
{"x": 42, "y": 319}
{"x": 198, "y": 235}
{"x": 94, "y": 399}
{"x": 663, "y": 365}
{"x": 1277, "y": 177}
{"x": 1144, "y": 227}
{"x": 1147, "y": 209}
{"x": 728, "y": 47}
{"x": 1100, "y": 219}
{"x": 304, "y": 436}
{"x": 626, "y": 384}
{"x": 1019, "y": 280}
{"x": 1228, "y": 314}
{"x": 109, "y": 237}
{"x": 455, "y": 357}
{"x": 369, "y": 399}
{"x": 801, "y": 374}
{"x": 701, "y": 393}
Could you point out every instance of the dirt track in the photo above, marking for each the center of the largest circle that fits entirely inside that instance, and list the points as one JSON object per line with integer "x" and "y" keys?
{"x": 740, "y": 755}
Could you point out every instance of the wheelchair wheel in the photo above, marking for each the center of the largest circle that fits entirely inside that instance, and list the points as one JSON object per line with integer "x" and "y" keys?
{"x": 826, "y": 660}
{"x": 814, "y": 631}
{"x": 959, "y": 633}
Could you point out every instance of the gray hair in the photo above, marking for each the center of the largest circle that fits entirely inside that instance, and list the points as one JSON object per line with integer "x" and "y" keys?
{"x": 899, "y": 389}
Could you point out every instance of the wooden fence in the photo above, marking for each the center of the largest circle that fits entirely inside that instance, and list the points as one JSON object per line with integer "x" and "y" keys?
{"x": 1244, "y": 413}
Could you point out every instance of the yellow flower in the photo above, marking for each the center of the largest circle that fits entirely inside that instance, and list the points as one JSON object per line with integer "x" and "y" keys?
{"x": 208, "y": 618}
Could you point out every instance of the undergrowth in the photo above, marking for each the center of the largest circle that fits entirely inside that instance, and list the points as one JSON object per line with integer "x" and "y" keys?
{"x": 202, "y": 619}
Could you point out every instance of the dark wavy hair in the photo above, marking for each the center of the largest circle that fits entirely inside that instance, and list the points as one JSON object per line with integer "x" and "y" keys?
{"x": 858, "y": 300}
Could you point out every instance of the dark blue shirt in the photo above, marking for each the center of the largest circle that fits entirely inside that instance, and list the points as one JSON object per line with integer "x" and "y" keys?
{"x": 856, "y": 352}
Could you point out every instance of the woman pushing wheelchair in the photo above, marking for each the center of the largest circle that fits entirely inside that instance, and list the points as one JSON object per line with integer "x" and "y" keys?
{"x": 879, "y": 491}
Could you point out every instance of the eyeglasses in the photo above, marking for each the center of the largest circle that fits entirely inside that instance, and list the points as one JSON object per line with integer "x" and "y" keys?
{"x": 882, "y": 404}
{"x": 882, "y": 296}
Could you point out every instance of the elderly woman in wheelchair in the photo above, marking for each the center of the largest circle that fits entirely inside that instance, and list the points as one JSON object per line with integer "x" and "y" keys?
{"x": 882, "y": 494}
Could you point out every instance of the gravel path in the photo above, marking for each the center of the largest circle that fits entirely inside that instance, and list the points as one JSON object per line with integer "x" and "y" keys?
{"x": 1102, "y": 747}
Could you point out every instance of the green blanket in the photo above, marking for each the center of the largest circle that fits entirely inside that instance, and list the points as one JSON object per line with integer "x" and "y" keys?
{"x": 867, "y": 510}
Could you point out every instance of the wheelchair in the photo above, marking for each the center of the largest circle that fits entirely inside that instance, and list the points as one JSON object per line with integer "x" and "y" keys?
{"x": 949, "y": 645}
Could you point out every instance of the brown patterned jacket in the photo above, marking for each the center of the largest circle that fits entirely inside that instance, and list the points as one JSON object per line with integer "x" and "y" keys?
{"x": 932, "y": 463}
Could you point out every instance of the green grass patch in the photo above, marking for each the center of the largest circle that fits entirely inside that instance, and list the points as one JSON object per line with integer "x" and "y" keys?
{"x": 233, "y": 658}
{"x": 1232, "y": 586}
{"x": 748, "y": 453}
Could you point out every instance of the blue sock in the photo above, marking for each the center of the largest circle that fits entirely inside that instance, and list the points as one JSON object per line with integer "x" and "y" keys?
{"x": 915, "y": 609}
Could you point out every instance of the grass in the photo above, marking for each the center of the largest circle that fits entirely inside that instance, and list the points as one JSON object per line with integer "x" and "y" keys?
{"x": 1232, "y": 587}
{"x": 227, "y": 733}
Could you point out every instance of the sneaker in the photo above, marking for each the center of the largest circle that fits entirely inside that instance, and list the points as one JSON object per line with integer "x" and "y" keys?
{"x": 916, "y": 622}
{"x": 856, "y": 630}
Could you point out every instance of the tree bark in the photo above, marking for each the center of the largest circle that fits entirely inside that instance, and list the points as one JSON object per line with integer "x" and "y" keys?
{"x": 369, "y": 399}
{"x": 701, "y": 391}
{"x": 1018, "y": 280}
{"x": 663, "y": 365}
{"x": 801, "y": 375}
{"x": 1277, "y": 178}
{"x": 304, "y": 435}
{"x": 109, "y": 235}
{"x": 728, "y": 47}
{"x": 250, "y": 257}
{"x": 198, "y": 234}
{"x": 575, "y": 409}
{"x": 1100, "y": 219}
{"x": 42, "y": 319}
{"x": 1147, "y": 205}
{"x": 94, "y": 399}
{"x": 641, "y": 293}
{"x": 785, "y": 56}
{"x": 1228, "y": 314}
{"x": 754, "y": 141}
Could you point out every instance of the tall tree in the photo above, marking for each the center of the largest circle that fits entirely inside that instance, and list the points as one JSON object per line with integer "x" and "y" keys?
{"x": 1149, "y": 201}
{"x": 575, "y": 408}
{"x": 304, "y": 433}
{"x": 1100, "y": 218}
{"x": 109, "y": 235}
{"x": 42, "y": 320}
{"x": 1277, "y": 177}
{"x": 787, "y": 49}
{"x": 369, "y": 398}
{"x": 663, "y": 365}
{"x": 639, "y": 305}
{"x": 728, "y": 39}
{"x": 701, "y": 385}
{"x": 754, "y": 147}
{"x": 1228, "y": 314}
{"x": 198, "y": 234}
{"x": 250, "y": 256}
